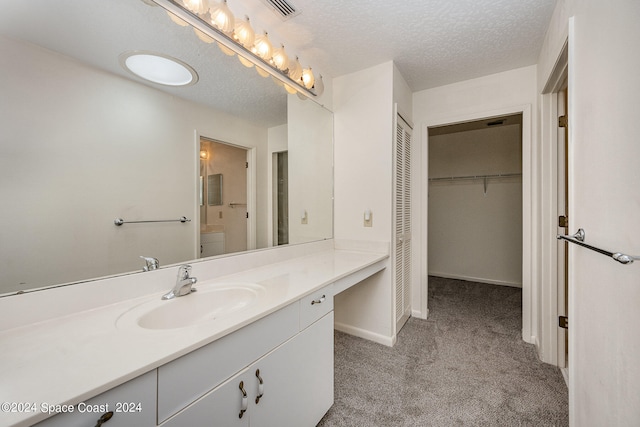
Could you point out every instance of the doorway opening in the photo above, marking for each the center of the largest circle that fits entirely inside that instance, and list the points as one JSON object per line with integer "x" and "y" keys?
{"x": 223, "y": 198}
{"x": 280, "y": 198}
{"x": 475, "y": 209}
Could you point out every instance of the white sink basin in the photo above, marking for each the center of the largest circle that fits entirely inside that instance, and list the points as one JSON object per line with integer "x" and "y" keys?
{"x": 206, "y": 304}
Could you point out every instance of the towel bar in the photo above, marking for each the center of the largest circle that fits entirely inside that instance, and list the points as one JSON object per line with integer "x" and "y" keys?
{"x": 578, "y": 239}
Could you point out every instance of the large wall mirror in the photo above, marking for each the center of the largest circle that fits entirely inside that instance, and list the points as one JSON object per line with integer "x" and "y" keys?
{"x": 83, "y": 142}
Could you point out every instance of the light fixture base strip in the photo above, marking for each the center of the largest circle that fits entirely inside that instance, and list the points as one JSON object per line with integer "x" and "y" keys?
{"x": 195, "y": 21}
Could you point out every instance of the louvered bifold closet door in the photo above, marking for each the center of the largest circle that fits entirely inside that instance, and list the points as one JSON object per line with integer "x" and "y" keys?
{"x": 402, "y": 217}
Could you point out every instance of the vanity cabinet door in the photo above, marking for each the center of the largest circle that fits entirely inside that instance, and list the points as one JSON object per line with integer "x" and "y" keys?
{"x": 290, "y": 386}
{"x": 297, "y": 379}
{"x": 131, "y": 404}
{"x": 226, "y": 406}
{"x": 184, "y": 380}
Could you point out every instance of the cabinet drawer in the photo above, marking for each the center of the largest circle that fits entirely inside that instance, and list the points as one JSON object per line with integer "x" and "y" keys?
{"x": 315, "y": 305}
{"x": 133, "y": 404}
{"x": 184, "y": 380}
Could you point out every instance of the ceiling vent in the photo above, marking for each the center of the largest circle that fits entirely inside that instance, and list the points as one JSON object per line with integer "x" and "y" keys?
{"x": 282, "y": 8}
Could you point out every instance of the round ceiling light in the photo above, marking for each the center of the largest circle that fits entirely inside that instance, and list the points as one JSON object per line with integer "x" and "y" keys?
{"x": 159, "y": 68}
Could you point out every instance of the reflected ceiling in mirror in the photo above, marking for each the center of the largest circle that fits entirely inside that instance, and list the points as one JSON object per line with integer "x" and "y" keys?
{"x": 98, "y": 32}
{"x": 85, "y": 142}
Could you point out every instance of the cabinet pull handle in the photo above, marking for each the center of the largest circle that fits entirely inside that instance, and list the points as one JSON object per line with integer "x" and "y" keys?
{"x": 245, "y": 401}
{"x": 104, "y": 418}
{"x": 260, "y": 386}
{"x": 318, "y": 301}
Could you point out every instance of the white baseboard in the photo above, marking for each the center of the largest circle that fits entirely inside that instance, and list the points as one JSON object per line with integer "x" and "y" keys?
{"x": 419, "y": 315}
{"x": 475, "y": 279}
{"x": 367, "y": 335}
{"x": 565, "y": 375}
{"x": 531, "y": 340}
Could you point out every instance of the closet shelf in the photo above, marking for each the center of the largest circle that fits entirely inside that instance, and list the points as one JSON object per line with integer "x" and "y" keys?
{"x": 470, "y": 177}
{"x": 475, "y": 177}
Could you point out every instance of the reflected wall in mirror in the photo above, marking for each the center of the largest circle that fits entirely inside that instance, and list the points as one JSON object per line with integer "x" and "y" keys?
{"x": 83, "y": 142}
{"x": 214, "y": 193}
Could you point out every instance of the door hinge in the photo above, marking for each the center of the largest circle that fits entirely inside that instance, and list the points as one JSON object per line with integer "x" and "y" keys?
{"x": 247, "y": 215}
{"x": 563, "y": 322}
{"x": 563, "y": 221}
{"x": 246, "y": 165}
{"x": 563, "y": 121}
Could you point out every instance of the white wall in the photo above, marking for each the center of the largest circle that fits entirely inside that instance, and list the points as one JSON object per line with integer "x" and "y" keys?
{"x": 363, "y": 115}
{"x": 604, "y": 341}
{"x": 80, "y": 148}
{"x": 503, "y": 93}
{"x": 364, "y": 131}
{"x": 475, "y": 235}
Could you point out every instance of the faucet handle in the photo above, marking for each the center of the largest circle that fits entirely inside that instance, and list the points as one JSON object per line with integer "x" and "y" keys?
{"x": 152, "y": 263}
{"x": 184, "y": 271}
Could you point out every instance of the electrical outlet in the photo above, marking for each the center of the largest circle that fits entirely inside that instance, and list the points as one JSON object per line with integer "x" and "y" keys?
{"x": 220, "y": 214}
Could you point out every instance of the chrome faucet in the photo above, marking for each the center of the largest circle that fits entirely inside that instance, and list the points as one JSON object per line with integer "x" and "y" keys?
{"x": 152, "y": 263}
{"x": 183, "y": 283}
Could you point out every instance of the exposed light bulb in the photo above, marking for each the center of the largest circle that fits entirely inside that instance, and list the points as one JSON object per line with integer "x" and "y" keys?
{"x": 280, "y": 58}
{"x": 177, "y": 20}
{"x": 196, "y": 6}
{"x": 307, "y": 78}
{"x": 221, "y": 17}
{"x": 318, "y": 87}
{"x": 226, "y": 50}
{"x": 243, "y": 33}
{"x": 245, "y": 61}
{"x": 202, "y": 36}
{"x": 262, "y": 47}
{"x": 290, "y": 89}
{"x": 262, "y": 71}
{"x": 295, "y": 70}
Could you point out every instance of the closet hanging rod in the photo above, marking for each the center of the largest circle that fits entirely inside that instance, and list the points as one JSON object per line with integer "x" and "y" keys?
{"x": 578, "y": 239}
{"x": 120, "y": 221}
{"x": 470, "y": 177}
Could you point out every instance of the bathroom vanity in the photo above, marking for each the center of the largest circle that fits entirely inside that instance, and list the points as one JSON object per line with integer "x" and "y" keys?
{"x": 252, "y": 347}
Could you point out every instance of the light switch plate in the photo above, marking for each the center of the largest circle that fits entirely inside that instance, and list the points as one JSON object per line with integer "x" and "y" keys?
{"x": 368, "y": 222}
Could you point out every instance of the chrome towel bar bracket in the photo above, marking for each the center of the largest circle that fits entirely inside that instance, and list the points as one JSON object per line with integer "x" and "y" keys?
{"x": 120, "y": 221}
{"x": 578, "y": 239}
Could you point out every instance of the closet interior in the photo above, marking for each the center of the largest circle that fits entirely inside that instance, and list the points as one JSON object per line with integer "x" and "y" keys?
{"x": 475, "y": 201}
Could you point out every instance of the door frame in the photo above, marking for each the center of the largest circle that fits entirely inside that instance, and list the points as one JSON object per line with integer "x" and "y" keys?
{"x": 552, "y": 294}
{"x": 251, "y": 188}
{"x": 529, "y": 298}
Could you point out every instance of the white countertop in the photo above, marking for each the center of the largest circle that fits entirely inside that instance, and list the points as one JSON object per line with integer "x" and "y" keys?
{"x": 71, "y": 358}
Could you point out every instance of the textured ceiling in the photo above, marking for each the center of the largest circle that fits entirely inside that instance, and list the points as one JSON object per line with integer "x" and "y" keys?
{"x": 432, "y": 42}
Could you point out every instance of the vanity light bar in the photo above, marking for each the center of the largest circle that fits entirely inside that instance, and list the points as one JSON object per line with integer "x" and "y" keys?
{"x": 192, "y": 19}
